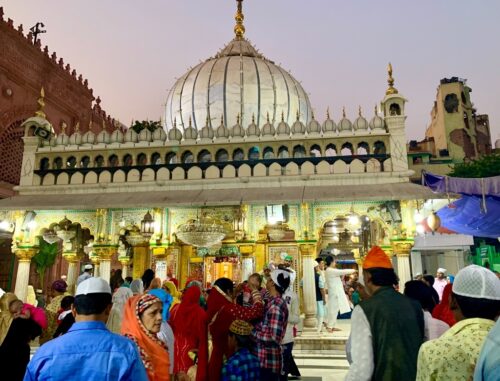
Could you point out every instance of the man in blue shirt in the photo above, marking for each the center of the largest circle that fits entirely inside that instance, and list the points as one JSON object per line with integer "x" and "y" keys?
{"x": 88, "y": 351}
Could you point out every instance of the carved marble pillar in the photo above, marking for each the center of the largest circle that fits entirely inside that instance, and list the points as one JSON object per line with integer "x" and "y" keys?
{"x": 24, "y": 256}
{"x": 73, "y": 259}
{"x": 94, "y": 258}
{"x": 307, "y": 252}
{"x": 125, "y": 261}
{"x": 402, "y": 249}
{"x": 105, "y": 254}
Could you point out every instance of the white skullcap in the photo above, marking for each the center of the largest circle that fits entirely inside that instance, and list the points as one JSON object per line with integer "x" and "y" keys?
{"x": 88, "y": 267}
{"x": 93, "y": 286}
{"x": 275, "y": 274}
{"x": 477, "y": 282}
{"x": 441, "y": 270}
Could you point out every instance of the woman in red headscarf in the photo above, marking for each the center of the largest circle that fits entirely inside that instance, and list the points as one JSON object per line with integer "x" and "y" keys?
{"x": 141, "y": 323}
{"x": 221, "y": 312}
{"x": 442, "y": 311}
{"x": 189, "y": 323}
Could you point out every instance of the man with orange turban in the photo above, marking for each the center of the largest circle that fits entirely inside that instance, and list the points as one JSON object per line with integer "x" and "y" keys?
{"x": 387, "y": 329}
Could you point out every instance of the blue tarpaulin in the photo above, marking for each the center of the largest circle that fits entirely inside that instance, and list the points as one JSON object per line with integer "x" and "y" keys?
{"x": 477, "y": 212}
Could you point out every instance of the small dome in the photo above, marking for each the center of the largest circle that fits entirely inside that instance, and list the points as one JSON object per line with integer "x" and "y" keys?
{"x": 117, "y": 136}
{"x": 207, "y": 131}
{"x": 268, "y": 129}
{"x": 360, "y": 123}
{"x": 159, "y": 135}
{"x": 237, "y": 131}
{"x": 222, "y": 131}
{"x": 190, "y": 132}
{"x": 253, "y": 129}
{"x": 88, "y": 138}
{"x": 174, "y": 134}
{"x": 345, "y": 124}
{"x": 130, "y": 136}
{"x": 377, "y": 122}
{"x": 313, "y": 127}
{"x": 145, "y": 135}
{"x": 103, "y": 137}
{"x": 329, "y": 125}
{"x": 75, "y": 138}
{"x": 62, "y": 139}
{"x": 283, "y": 128}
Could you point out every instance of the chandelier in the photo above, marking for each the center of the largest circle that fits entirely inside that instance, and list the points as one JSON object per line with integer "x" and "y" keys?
{"x": 50, "y": 236}
{"x": 147, "y": 225}
{"x": 201, "y": 232}
{"x": 135, "y": 237}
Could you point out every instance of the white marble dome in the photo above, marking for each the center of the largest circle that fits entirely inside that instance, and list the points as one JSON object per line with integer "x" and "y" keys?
{"x": 237, "y": 81}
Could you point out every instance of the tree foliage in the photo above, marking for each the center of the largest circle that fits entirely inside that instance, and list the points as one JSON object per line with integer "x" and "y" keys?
{"x": 150, "y": 125}
{"x": 485, "y": 166}
{"x": 45, "y": 258}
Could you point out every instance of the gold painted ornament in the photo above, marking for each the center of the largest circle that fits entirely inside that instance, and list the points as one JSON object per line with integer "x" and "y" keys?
{"x": 433, "y": 221}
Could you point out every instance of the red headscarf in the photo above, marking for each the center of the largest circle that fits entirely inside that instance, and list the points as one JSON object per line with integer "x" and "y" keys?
{"x": 153, "y": 352}
{"x": 189, "y": 323}
{"x": 442, "y": 311}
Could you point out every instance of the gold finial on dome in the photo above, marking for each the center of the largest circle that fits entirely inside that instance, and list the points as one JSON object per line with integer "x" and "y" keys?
{"x": 359, "y": 111}
{"x": 239, "y": 28}
{"x": 390, "y": 80}
{"x": 343, "y": 112}
{"x": 282, "y": 116}
{"x": 41, "y": 104}
{"x": 328, "y": 113}
{"x": 375, "y": 109}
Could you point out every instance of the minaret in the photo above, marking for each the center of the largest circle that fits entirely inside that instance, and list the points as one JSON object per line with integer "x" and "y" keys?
{"x": 393, "y": 106}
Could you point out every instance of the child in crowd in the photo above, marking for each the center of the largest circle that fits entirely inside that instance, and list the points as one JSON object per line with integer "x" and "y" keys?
{"x": 65, "y": 318}
{"x": 18, "y": 309}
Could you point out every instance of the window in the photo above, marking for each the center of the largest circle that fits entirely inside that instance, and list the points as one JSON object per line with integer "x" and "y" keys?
{"x": 99, "y": 162}
{"x": 451, "y": 103}
{"x": 113, "y": 161}
{"x": 315, "y": 151}
{"x": 346, "y": 149}
{"x": 71, "y": 162}
{"x": 238, "y": 155}
{"x": 44, "y": 164}
{"x": 363, "y": 149}
{"x": 171, "y": 157}
{"x": 142, "y": 159}
{"x": 186, "y": 158}
{"x": 204, "y": 156}
{"x": 283, "y": 152}
{"x": 127, "y": 160}
{"x": 394, "y": 109}
{"x": 58, "y": 163}
{"x": 268, "y": 153}
{"x": 221, "y": 156}
{"x": 253, "y": 153}
{"x": 156, "y": 158}
{"x": 299, "y": 151}
{"x": 379, "y": 148}
{"x": 331, "y": 150}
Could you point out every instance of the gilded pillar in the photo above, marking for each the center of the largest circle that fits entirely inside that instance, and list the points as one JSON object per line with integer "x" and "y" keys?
{"x": 73, "y": 260}
{"x": 307, "y": 252}
{"x": 96, "y": 261}
{"x": 305, "y": 220}
{"x": 24, "y": 255}
{"x": 141, "y": 260}
{"x": 125, "y": 262}
{"x": 186, "y": 253}
{"x": 402, "y": 249}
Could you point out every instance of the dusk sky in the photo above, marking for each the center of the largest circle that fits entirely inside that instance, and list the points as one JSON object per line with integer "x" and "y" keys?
{"x": 132, "y": 51}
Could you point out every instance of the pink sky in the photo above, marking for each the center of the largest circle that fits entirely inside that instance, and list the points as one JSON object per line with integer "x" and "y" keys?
{"x": 132, "y": 51}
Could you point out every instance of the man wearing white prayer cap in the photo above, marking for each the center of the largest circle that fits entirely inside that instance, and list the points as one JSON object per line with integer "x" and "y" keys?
{"x": 475, "y": 302}
{"x": 88, "y": 351}
{"x": 87, "y": 273}
{"x": 440, "y": 282}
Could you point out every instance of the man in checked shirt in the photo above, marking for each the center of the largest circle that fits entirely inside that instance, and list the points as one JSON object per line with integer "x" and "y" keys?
{"x": 269, "y": 333}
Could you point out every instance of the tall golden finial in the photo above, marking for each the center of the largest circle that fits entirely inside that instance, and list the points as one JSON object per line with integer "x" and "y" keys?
{"x": 239, "y": 28}
{"x": 41, "y": 104}
{"x": 390, "y": 80}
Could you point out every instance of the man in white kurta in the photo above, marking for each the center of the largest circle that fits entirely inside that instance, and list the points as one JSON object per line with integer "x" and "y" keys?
{"x": 337, "y": 299}
{"x": 440, "y": 282}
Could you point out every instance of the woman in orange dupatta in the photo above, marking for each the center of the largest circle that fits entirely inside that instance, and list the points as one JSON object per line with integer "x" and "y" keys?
{"x": 141, "y": 322}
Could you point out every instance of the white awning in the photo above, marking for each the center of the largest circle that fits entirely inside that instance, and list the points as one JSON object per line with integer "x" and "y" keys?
{"x": 249, "y": 195}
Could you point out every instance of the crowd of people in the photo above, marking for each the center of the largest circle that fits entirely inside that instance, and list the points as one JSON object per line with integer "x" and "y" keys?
{"x": 146, "y": 329}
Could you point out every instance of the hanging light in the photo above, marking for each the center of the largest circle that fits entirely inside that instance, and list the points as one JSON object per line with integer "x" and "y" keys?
{"x": 147, "y": 225}
{"x": 201, "y": 232}
{"x": 50, "y": 236}
{"x": 433, "y": 221}
{"x": 353, "y": 217}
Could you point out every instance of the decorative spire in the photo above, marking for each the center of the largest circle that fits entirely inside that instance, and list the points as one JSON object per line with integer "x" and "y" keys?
{"x": 238, "y": 118}
{"x": 297, "y": 115}
{"x": 253, "y": 118}
{"x": 312, "y": 114}
{"x": 390, "y": 80}
{"x": 239, "y": 28}
{"x": 359, "y": 111}
{"x": 222, "y": 120}
{"x": 282, "y": 116}
{"x": 267, "y": 117}
{"x": 343, "y": 112}
{"x": 77, "y": 127}
{"x": 189, "y": 123}
{"x": 375, "y": 109}
{"x": 41, "y": 104}
{"x": 328, "y": 113}
{"x": 207, "y": 121}
{"x": 175, "y": 123}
